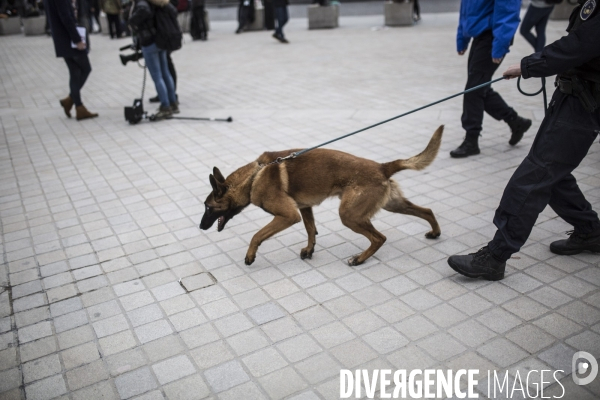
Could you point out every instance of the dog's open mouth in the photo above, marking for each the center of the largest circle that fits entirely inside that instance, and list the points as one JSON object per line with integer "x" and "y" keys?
{"x": 221, "y": 223}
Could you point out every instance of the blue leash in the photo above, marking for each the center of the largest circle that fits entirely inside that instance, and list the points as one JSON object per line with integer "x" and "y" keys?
{"x": 298, "y": 153}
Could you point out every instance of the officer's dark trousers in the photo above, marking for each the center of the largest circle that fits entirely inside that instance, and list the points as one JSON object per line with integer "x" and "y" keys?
{"x": 545, "y": 177}
{"x": 481, "y": 69}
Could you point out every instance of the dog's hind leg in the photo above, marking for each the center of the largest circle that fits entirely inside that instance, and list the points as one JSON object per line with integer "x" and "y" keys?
{"x": 311, "y": 230}
{"x": 286, "y": 214}
{"x": 356, "y": 210}
{"x": 398, "y": 204}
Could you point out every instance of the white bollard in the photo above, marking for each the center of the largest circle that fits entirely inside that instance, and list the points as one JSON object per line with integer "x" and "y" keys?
{"x": 323, "y": 17}
{"x": 34, "y": 25}
{"x": 398, "y": 14}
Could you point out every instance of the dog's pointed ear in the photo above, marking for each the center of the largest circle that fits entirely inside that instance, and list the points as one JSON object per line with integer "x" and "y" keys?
{"x": 218, "y": 187}
{"x": 218, "y": 175}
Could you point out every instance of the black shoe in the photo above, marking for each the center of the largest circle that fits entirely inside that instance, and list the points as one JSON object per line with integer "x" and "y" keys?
{"x": 576, "y": 243}
{"x": 478, "y": 265}
{"x": 154, "y": 99}
{"x": 518, "y": 126}
{"x": 466, "y": 149}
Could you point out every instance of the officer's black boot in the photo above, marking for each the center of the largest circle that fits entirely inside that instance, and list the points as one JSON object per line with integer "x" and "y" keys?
{"x": 469, "y": 147}
{"x": 518, "y": 127}
{"x": 576, "y": 243}
{"x": 479, "y": 265}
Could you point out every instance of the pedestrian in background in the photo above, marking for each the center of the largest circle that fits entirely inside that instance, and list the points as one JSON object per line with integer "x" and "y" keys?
{"x": 537, "y": 16}
{"x": 73, "y": 47}
{"x": 281, "y": 18}
{"x": 112, "y": 9}
{"x": 492, "y": 26}
{"x": 198, "y": 23}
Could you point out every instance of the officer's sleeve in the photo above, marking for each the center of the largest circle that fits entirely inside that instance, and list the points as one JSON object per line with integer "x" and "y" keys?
{"x": 505, "y": 22}
{"x": 570, "y": 51}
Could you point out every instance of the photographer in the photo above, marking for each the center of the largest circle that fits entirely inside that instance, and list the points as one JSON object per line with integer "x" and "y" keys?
{"x": 143, "y": 22}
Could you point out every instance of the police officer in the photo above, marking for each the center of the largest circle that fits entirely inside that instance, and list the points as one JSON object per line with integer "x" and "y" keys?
{"x": 570, "y": 127}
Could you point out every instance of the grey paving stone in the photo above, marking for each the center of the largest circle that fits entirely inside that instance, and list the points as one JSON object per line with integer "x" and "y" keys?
{"x": 34, "y": 332}
{"x": 264, "y": 362}
{"x": 499, "y": 320}
{"x": 136, "y": 300}
{"x": 103, "y": 310}
{"x": 177, "y": 304}
{"x": 110, "y": 325}
{"x": 116, "y": 343}
{"x": 126, "y": 288}
{"x": 219, "y": 308}
{"x": 247, "y": 342}
{"x": 47, "y": 388}
{"x": 226, "y": 376}
{"x": 332, "y": 334}
{"x": 30, "y": 317}
{"x": 87, "y": 375}
{"x": 69, "y": 321}
{"x": 211, "y": 354}
{"x": 153, "y": 331}
{"x": 101, "y": 390}
{"x": 281, "y": 329}
{"x": 39, "y": 348}
{"x": 41, "y": 368}
{"x": 410, "y": 358}
{"x": 247, "y": 390}
{"x": 502, "y": 352}
{"x": 187, "y": 319}
{"x": 199, "y": 336}
{"x": 83, "y": 354}
{"x": 167, "y": 291}
{"x": 144, "y": 315}
{"x": 173, "y": 369}
{"x": 29, "y": 302}
{"x": 530, "y": 338}
{"x": 441, "y": 346}
{"x": 8, "y": 359}
{"x": 190, "y": 388}
{"x": 385, "y": 340}
{"x": 125, "y": 361}
{"x": 162, "y": 348}
{"x": 76, "y": 336}
{"x": 272, "y": 383}
{"x": 135, "y": 383}
{"x": 266, "y": 313}
{"x": 471, "y": 333}
{"x": 558, "y": 357}
{"x": 233, "y": 324}
{"x": 353, "y": 353}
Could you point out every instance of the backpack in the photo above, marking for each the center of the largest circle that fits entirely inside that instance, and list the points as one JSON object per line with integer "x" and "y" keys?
{"x": 168, "y": 32}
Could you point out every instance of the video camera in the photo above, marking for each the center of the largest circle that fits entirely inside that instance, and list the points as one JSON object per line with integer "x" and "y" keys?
{"x": 135, "y": 56}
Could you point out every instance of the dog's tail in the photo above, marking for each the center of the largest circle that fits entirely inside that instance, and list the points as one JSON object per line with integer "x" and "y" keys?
{"x": 419, "y": 161}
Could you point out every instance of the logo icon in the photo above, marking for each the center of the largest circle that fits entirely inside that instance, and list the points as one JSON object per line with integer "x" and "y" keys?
{"x": 585, "y": 368}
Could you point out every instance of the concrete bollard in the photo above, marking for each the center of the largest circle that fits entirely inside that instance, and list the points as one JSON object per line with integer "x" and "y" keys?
{"x": 562, "y": 10}
{"x": 259, "y": 20}
{"x": 398, "y": 14}
{"x": 10, "y": 26}
{"x": 323, "y": 17}
{"x": 34, "y": 25}
{"x": 104, "y": 24}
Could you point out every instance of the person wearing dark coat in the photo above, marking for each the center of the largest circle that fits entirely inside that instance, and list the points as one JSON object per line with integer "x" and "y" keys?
{"x": 545, "y": 177}
{"x": 246, "y": 14}
{"x": 198, "y": 27}
{"x": 69, "y": 45}
{"x": 281, "y": 18}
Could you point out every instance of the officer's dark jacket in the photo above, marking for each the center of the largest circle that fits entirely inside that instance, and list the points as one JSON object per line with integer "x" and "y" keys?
{"x": 576, "y": 53}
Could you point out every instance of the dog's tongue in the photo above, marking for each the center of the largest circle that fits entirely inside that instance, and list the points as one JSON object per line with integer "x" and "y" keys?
{"x": 221, "y": 222}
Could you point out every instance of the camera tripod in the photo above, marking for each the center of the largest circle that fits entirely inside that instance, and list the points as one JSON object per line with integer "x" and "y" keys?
{"x": 136, "y": 113}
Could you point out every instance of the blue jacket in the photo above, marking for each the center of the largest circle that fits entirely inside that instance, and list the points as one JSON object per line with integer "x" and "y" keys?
{"x": 478, "y": 16}
{"x": 63, "y": 25}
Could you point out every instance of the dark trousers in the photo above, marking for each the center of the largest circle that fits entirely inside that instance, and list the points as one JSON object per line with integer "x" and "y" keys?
{"x": 114, "y": 25}
{"x": 79, "y": 70}
{"x": 481, "y": 69}
{"x": 536, "y": 17}
{"x": 545, "y": 177}
{"x": 172, "y": 69}
{"x": 281, "y": 17}
{"x": 197, "y": 26}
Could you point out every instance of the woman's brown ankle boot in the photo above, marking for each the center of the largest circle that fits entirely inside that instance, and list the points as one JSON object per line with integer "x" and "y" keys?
{"x": 83, "y": 113}
{"x": 67, "y": 104}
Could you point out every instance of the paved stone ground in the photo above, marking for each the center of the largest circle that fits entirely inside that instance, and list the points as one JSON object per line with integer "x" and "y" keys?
{"x": 100, "y": 220}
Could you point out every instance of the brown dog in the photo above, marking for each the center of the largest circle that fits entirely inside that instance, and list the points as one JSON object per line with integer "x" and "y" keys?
{"x": 364, "y": 187}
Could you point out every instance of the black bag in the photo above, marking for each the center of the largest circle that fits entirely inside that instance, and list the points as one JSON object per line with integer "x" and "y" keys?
{"x": 168, "y": 32}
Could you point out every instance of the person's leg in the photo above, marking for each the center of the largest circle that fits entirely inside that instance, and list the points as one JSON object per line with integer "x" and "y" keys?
{"x": 110, "y": 18}
{"x": 195, "y": 24}
{"x": 202, "y": 26}
{"x": 172, "y": 69}
{"x": 83, "y": 62}
{"x": 166, "y": 77}
{"x": 280, "y": 20}
{"x": 151, "y": 56}
{"x": 540, "y": 28}
{"x": 545, "y": 175}
{"x": 528, "y": 23}
{"x": 74, "y": 80}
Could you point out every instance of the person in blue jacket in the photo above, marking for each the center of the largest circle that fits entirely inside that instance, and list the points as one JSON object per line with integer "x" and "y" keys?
{"x": 492, "y": 25}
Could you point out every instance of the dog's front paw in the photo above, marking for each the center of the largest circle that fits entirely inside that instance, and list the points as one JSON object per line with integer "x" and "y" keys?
{"x": 249, "y": 259}
{"x": 353, "y": 261}
{"x": 305, "y": 253}
{"x": 432, "y": 235}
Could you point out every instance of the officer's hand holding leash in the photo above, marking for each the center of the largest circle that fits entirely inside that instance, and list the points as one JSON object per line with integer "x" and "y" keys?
{"x": 514, "y": 71}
